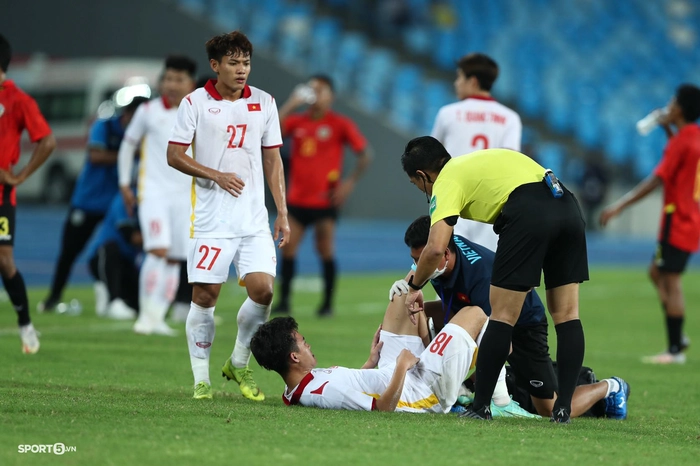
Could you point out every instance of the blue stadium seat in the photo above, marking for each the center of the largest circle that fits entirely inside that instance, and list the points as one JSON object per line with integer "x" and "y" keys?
{"x": 323, "y": 46}
{"x": 551, "y": 155}
{"x": 353, "y": 48}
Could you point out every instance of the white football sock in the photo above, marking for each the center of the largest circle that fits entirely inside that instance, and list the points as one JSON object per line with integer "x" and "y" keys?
{"x": 152, "y": 270}
{"x": 613, "y": 386}
{"x": 200, "y": 330}
{"x": 165, "y": 294}
{"x": 251, "y": 315}
{"x": 501, "y": 397}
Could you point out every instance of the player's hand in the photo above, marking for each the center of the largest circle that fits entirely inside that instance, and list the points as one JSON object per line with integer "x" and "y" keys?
{"x": 282, "y": 230}
{"x": 414, "y": 304}
{"x": 399, "y": 288}
{"x": 231, "y": 183}
{"x": 7, "y": 177}
{"x": 608, "y": 213}
{"x": 407, "y": 360}
{"x": 341, "y": 193}
{"x": 375, "y": 349}
{"x": 129, "y": 199}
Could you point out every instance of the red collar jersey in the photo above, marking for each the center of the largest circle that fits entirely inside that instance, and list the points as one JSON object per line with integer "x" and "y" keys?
{"x": 679, "y": 170}
{"x": 18, "y": 112}
{"x": 317, "y": 156}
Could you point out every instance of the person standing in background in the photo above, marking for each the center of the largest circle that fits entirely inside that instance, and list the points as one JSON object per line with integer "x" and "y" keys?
{"x": 679, "y": 233}
{"x": 96, "y": 187}
{"x": 18, "y": 112}
{"x": 477, "y": 122}
{"x": 163, "y": 196}
{"x": 316, "y": 187}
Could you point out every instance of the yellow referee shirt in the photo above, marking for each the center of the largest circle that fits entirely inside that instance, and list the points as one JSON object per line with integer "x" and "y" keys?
{"x": 477, "y": 185}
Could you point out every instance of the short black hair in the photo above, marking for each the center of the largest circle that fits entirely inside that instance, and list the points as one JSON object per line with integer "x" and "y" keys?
{"x": 324, "y": 78}
{"x": 424, "y": 153}
{"x": 482, "y": 67}
{"x": 5, "y": 53}
{"x": 181, "y": 63}
{"x": 273, "y": 342}
{"x": 688, "y": 99}
{"x": 232, "y": 43}
{"x": 417, "y": 233}
{"x": 133, "y": 105}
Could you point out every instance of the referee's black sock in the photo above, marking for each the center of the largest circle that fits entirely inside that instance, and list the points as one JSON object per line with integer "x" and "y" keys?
{"x": 288, "y": 269}
{"x": 17, "y": 292}
{"x": 571, "y": 347}
{"x": 674, "y": 327}
{"x": 493, "y": 351}
{"x": 329, "y": 273}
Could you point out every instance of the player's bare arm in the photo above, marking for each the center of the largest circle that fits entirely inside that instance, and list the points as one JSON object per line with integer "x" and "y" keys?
{"x": 640, "y": 191}
{"x": 429, "y": 260}
{"x": 43, "y": 149}
{"x": 179, "y": 160}
{"x": 374, "y": 351}
{"x": 274, "y": 173}
{"x": 390, "y": 398}
{"x": 295, "y": 100}
{"x": 341, "y": 193}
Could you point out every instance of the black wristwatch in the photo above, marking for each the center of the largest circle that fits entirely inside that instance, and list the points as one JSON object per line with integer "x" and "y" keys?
{"x": 413, "y": 285}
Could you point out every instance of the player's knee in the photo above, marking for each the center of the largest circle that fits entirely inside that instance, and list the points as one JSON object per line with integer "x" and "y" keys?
{"x": 7, "y": 265}
{"x": 261, "y": 294}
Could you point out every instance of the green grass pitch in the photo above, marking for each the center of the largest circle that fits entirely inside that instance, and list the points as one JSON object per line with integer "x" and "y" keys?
{"x": 123, "y": 399}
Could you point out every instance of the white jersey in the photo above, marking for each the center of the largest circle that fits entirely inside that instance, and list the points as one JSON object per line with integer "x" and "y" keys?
{"x": 473, "y": 124}
{"x": 151, "y": 127}
{"x": 477, "y": 123}
{"x": 358, "y": 390}
{"x": 229, "y": 137}
{"x": 430, "y": 387}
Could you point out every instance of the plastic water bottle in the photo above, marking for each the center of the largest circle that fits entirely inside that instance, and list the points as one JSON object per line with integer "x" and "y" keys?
{"x": 647, "y": 124}
{"x": 305, "y": 93}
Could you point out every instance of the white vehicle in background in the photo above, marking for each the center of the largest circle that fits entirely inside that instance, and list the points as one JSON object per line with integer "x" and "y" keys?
{"x": 71, "y": 94}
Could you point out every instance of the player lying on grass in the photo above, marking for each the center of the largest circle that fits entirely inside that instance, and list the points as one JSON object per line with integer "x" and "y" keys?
{"x": 412, "y": 373}
{"x": 463, "y": 279}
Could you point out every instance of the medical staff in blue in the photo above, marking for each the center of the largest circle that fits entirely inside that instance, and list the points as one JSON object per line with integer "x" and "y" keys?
{"x": 94, "y": 190}
{"x": 114, "y": 258}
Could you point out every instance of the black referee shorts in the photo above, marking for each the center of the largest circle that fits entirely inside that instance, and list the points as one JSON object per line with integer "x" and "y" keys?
{"x": 539, "y": 233}
{"x": 530, "y": 361}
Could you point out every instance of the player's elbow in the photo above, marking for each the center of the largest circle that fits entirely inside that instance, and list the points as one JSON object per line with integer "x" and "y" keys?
{"x": 172, "y": 155}
{"x": 49, "y": 142}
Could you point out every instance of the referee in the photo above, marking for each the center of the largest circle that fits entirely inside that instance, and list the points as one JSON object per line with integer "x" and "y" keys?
{"x": 18, "y": 112}
{"x": 541, "y": 228}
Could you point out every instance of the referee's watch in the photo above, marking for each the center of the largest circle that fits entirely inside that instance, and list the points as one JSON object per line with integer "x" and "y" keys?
{"x": 413, "y": 285}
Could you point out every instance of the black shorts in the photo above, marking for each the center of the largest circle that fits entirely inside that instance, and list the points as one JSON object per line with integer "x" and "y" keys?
{"x": 7, "y": 224}
{"x": 531, "y": 363}
{"x": 670, "y": 259}
{"x": 539, "y": 233}
{"x": 307, "y": 216}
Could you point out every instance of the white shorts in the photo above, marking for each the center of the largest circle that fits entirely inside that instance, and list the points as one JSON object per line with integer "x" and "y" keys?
{"x": 165, "y": 223}
{"x": 443, "y": 366}
{"x": 209, "y": 259}
{"x": 477, "y": 232}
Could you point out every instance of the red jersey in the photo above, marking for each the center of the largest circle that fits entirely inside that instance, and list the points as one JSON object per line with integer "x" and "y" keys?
{"x": 679, "y": 170}
{"x": 317, "y": 156}
{"x": 18, "y": 112}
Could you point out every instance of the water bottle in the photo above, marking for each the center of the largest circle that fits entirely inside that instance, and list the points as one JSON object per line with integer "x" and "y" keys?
{"x": 651, "y": 121}
{"x": 305, "y": 93}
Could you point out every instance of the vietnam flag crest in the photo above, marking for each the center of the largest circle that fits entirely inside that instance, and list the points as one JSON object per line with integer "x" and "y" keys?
{"x": 254, "y": 107}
